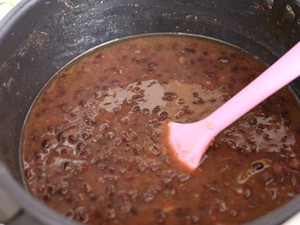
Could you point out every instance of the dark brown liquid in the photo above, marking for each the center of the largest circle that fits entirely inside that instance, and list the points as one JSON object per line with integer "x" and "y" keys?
{"x": 94, "y": 145}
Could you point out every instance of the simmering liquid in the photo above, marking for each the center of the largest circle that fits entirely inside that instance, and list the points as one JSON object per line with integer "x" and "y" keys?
{"x": 94, "y": 145}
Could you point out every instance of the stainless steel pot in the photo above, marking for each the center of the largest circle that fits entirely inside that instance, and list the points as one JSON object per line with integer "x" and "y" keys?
{"x": 38, "y": 37}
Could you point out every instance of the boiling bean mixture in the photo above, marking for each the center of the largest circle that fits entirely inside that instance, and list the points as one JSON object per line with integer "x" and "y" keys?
{"x": 94, "y": 146}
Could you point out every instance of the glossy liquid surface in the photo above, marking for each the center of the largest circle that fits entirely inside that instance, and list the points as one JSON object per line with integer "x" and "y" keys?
{"x": 94, "y": 145}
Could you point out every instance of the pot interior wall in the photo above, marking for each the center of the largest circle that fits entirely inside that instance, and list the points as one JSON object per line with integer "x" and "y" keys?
{"x": 45, "y": 35}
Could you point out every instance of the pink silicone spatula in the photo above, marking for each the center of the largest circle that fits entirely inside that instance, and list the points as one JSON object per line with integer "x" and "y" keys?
{"x": 190, "y": 141}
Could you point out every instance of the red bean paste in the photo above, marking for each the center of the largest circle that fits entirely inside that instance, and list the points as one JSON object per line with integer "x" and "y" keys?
{"x": 94, "y": 145}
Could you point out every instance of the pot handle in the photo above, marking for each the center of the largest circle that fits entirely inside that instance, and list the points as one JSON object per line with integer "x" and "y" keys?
{"x": 12, "y": 214}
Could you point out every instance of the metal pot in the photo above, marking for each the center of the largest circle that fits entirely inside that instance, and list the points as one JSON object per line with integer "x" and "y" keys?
{"x": 38, "y": 37}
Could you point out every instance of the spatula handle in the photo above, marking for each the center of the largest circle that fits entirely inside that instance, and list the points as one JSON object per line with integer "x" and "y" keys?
{"x": 282, "y": 72}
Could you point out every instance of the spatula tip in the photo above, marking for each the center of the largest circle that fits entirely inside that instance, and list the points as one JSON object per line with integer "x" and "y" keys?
{"x": 184, "y": 144}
